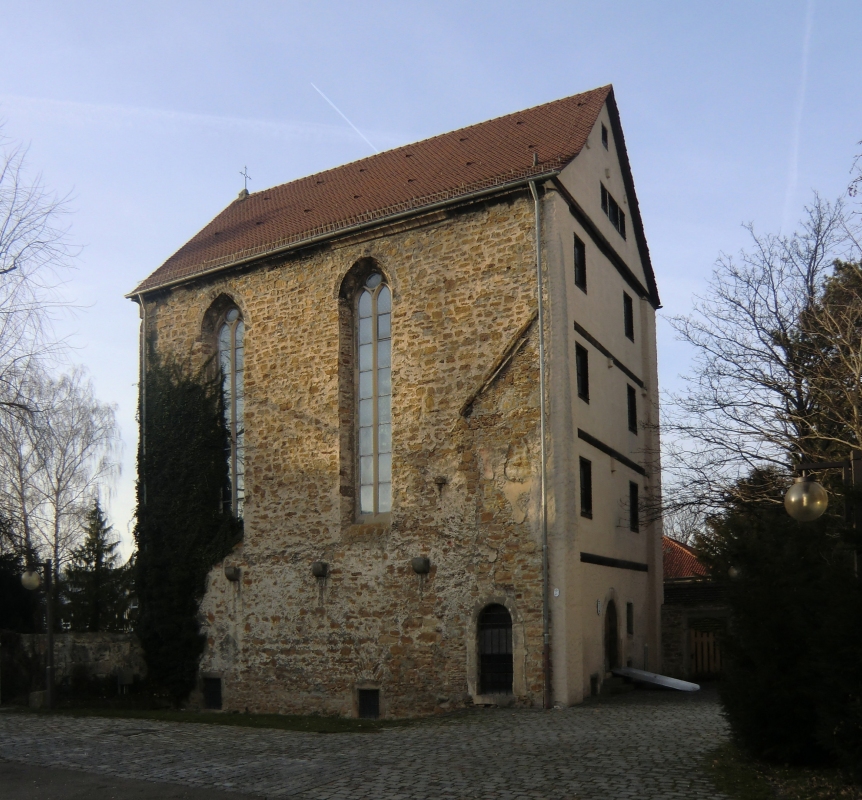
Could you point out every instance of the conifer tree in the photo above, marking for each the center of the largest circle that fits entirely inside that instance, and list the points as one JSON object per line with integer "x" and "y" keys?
{"x": 95, "y": 587}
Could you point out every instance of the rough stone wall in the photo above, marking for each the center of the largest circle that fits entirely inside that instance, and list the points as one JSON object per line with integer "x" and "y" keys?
{"x": 465, "y": 486}
{"x": 100, "y": 655}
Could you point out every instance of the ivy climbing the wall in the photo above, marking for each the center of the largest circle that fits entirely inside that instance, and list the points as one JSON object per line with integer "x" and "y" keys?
{"x": 183, "y": 526}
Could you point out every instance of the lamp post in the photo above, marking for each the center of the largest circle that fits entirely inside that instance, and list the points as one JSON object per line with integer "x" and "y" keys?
{"x": 31, "y": 580}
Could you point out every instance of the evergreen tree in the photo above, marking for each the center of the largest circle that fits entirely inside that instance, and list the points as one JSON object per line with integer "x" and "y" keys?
{"x": 792, "y": 687}
{"x": 95, "y": 589}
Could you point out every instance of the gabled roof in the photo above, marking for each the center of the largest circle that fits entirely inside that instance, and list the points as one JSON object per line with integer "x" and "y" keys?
{"x": 680, "y": 560}
{"x": 488, "y": 156}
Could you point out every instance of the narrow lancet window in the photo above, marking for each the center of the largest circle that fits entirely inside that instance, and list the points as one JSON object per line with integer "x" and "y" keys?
{"x": 230, "y": 344}
{"x": 374, "y": 333}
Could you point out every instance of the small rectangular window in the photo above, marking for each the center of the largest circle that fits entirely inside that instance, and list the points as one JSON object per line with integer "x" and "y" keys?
{"x": 615, "y": 214}
{"x": 633, "y": 408}
{"x": 634, "y": 508}
{"x": 605, "y": 137}
{"x": 369, "y": 703}
{"x": 212, "y": 693}
{"x": 580, "y": 264}
{"x": 582, "y": 372}
{"x": 629, "y": 316}
{"x": 630, "y": 619}
{"x": 586, "y": 488}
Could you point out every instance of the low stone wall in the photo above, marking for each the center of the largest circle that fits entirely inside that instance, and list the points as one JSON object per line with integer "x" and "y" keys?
{"x": 90, "y": 655}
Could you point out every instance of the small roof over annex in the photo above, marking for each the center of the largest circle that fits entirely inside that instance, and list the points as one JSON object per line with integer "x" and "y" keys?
{"x": 680, "y": 561}
{"x": 488, "y": 157}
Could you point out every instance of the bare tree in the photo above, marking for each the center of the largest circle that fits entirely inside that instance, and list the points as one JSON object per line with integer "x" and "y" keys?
{"x": 834, "y": 327}
{"x": 54, "y": 459}
{"x": 34, "y": 252}
{"x": 751, "y": 400}
{"x": 19, "y": 469}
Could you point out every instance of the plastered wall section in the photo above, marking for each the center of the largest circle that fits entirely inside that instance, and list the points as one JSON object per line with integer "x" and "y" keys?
{"x": 465, "y": 486}
{"x": 579, "y": 610}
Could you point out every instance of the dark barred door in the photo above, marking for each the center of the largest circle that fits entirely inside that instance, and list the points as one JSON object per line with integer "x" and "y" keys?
{"x": 495, "y": 650}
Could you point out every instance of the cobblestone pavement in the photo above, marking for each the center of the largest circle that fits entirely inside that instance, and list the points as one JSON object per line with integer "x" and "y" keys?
{"x": 645, "y": 745}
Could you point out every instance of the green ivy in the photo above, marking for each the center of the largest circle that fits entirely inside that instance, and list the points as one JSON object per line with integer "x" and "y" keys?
{"x": 183, "y": 526}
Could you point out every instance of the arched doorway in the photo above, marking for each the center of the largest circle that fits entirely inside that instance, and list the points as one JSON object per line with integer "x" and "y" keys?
{"x": 612, "y": 647}
{"x": 495, "y": 650}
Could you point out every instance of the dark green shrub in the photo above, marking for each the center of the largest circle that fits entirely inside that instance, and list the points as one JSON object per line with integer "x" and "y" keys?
{"x": 792, "y": 678}
{"x": 19, "y": 608}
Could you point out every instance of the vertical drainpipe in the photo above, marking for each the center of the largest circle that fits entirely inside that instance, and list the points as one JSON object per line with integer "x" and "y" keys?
{"x": 546, "y": 627}
{"x": 143, "y": 390}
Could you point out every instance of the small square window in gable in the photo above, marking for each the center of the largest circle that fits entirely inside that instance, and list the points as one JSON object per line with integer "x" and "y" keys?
{"x": 604, "y": 137}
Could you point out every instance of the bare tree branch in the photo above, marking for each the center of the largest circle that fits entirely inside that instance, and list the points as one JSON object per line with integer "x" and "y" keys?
{"x": 34, "y": 253}
{"x": 750, "y": 401}
{"x": 54, "y": 458}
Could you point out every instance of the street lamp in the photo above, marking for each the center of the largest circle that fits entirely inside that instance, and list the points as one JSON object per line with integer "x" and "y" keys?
{"x": 806, "y": 500}
{"x": 31, "y": 580}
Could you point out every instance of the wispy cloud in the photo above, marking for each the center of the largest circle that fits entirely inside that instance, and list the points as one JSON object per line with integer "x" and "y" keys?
{"x": 793, "y": 167}
{"x": 78, "y": 114}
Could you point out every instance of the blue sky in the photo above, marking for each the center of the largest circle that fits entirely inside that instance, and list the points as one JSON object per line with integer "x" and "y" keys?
{"x": 147, "y": 112}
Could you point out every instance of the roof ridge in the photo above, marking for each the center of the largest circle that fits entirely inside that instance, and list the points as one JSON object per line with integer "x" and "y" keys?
{"x": 606, "y": 89}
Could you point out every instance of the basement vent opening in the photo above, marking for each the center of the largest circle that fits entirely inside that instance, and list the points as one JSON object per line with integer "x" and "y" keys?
{"x": 212, "y": 693}
{"x": 369, "y": 703}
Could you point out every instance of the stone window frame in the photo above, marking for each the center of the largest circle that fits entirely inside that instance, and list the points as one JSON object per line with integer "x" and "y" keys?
{"x": 350, "y": 290}
{"x": 374, "y": 392}
{"x": 214, "y": 319}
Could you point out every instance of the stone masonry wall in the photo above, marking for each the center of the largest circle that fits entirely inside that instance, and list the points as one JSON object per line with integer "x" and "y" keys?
{"x": 99, "y": 655}
{"x": 465, "y": 484}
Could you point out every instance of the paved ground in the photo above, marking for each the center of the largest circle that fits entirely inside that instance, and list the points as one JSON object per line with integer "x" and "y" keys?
{"x": 643, "y": 745}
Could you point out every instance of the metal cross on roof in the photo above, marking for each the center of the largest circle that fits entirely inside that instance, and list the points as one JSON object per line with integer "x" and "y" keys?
{"x": 246, "y": 177}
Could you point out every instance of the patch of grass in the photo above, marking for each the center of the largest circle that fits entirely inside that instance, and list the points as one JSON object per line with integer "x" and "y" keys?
{"x": 743, "y": 778}
{"x": 736, "y": 776}
{"x": 284, "y": 722}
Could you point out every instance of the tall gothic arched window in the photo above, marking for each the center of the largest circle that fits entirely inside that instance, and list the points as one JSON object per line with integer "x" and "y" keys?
{"x": 231, "y": 335}
{"x": 374, "y": 395}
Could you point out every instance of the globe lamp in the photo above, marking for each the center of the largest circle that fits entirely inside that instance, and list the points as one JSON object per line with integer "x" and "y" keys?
{"x": 806, "y": 500}
{"x": 31, "y": 580}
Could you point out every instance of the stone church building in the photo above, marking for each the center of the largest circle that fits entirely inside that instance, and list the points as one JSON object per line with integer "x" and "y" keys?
{"x": 442, "y": 479}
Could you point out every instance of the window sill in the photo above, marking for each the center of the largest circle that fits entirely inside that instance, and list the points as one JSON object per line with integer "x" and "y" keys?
{"x": 373, "y": 520}
{"x": 587, "y": 514}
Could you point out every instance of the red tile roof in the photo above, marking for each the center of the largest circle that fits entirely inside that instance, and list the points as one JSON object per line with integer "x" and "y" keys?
{"x": 408, "y": 178}
{"x": 679, "y": 560}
